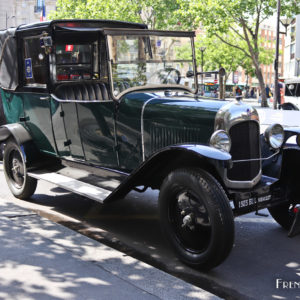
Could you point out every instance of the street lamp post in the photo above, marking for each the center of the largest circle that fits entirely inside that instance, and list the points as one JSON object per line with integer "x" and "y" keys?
{"x": 202, "y": 49}
{"x": 285, "y": 23}
{"x": 298, "y": 61}
{"x": 276, "y": 87}
{"x": 6, "y": 19}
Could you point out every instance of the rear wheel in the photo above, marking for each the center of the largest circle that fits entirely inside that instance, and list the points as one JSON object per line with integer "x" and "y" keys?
{"x": 21, "y": 185}
{"x": 196, "y": 217}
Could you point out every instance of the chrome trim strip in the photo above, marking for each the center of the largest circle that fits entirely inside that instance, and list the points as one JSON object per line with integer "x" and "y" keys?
{"x": 154, "y": 87}
{"x": 79, "y": 101}
{"x": 255, "y": 159}
{"x": 142, "y": 127}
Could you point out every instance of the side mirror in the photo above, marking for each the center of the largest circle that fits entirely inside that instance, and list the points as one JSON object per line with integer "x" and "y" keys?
{"x": 189, "y": 74}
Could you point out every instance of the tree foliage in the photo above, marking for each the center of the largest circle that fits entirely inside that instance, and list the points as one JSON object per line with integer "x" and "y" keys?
{"x": 240, "y": 19}
{"x": 157, "y": 14}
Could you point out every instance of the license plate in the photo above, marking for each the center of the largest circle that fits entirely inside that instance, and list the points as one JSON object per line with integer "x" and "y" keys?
{"x": 253, "y": 200}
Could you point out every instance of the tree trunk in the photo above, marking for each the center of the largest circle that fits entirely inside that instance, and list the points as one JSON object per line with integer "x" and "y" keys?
{"x": 264, "y": 102}
{"x": 221, "y": 87}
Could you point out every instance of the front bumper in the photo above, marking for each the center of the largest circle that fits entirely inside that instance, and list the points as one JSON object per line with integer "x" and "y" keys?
{"x": 266, "y": 193}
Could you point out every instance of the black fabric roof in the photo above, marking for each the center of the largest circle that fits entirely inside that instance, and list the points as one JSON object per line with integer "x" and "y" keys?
{"x": 8, "y": 59}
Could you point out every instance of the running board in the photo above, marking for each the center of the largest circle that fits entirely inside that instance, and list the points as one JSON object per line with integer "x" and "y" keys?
{"x": 73, "y": 185}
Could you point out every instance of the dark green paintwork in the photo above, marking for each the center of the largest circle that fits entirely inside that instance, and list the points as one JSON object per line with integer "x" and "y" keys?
{"x": 175, "y": 113}
{"x": 12, "y": 106}
{"x": 85, "y": 131}
{"x": 38, "y": 122}
{"x": 36, "y": 113}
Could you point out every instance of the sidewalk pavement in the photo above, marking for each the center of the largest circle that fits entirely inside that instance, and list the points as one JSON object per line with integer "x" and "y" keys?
{"x": 44, "y": 260}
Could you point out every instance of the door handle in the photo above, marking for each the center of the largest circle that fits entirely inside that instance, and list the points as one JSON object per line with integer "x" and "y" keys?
{"x": 45, "y": 98}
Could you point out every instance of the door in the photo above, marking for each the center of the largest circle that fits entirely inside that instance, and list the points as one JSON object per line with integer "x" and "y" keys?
{"x": 97, "y": 130}
{"x": 36, "y": 100}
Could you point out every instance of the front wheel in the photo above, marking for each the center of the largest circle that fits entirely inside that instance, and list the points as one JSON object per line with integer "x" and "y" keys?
{"x": 21, "y": 185}
{"x": 196, "y": 218}
{"x": 283, "y": 214}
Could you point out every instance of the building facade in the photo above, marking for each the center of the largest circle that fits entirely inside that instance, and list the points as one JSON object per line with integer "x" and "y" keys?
{"x": 292, "y": 50}
{"x": 268, "y": 35}
{"x": 17, "y": 12}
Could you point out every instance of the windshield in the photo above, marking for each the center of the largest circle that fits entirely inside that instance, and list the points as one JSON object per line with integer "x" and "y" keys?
{"x": 292, "y": 89}
{"x": 150, "y": 60}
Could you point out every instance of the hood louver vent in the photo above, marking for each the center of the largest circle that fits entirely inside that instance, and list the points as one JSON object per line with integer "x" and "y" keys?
{"x": 162, "y": 136}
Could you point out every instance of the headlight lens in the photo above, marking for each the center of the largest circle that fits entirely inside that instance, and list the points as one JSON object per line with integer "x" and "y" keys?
{"x": 274, "y": 135}
{"x": 220, "y": 140}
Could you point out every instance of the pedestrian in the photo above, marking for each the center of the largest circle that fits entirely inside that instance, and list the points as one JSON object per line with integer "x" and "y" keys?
{"x": 280, "y": 86}
{"x": 268, "y": 92}
{"x": 238, "y": 93}
{"x": 252, "y": 93}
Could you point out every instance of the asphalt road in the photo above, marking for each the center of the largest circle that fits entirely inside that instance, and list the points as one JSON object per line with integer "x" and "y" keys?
{"x": 262, "y": 256}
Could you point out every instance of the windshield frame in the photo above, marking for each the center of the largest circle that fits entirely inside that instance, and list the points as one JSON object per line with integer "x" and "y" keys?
{"x": 143, "y": 32}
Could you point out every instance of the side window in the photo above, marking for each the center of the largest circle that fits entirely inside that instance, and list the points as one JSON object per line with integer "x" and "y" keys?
{"x": 76, "y": 61}
{"x": 35, "y": 62}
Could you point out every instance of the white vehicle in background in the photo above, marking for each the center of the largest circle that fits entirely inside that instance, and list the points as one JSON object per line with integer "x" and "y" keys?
{"x": 291, "y": 94}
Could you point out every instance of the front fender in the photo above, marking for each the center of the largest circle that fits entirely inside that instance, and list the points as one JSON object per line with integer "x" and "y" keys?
{"x": 152, "y": 172}
{"x": 187, "y": 155}
{"x": 290, "y": 131}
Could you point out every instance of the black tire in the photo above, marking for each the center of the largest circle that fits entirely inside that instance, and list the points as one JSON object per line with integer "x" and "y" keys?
{"x": 193, "y": 194}
{"x": 283, "y": 214}
{"x": 21, "y": 185}
{"x": 1, "y": 150}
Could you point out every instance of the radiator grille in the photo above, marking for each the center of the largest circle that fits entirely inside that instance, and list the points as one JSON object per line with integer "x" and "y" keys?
{"x": 245, "y": 145}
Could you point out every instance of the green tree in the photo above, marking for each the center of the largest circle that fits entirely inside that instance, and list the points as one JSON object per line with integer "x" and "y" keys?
{"x": 157, "y": 14}
{"x": 239, "y": 18}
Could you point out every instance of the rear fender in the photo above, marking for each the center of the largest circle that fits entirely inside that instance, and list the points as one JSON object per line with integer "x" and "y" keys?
{"x": 22, "y": 138}
{"x": 153, "y": 171}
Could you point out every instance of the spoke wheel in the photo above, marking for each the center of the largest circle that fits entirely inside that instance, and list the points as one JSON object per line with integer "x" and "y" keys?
{"x": 21, "y": 185}
{"x": 196, "y": 217}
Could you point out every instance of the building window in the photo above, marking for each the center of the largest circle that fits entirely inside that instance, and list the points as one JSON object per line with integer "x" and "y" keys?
{"x": 39, "y": 6}
{"x": 292, "y": 51}
{"x": 293, "y": 34}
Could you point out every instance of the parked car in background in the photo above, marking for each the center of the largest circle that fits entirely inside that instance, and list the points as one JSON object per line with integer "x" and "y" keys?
{"x": 291, "y": 88}
{"x": 101, "y": 108}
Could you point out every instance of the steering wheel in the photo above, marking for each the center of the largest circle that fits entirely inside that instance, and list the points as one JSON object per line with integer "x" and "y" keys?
{"x": 169, "y": 76}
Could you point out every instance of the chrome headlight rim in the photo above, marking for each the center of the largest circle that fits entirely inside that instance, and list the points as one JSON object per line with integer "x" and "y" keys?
{"x": 220, "y": 140}
{"x": 274, "y": 136}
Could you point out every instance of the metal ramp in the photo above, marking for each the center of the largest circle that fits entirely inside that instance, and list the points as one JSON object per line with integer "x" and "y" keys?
{"x": 73, "y": 185}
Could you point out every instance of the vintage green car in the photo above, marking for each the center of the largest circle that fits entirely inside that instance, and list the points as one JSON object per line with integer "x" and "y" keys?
{"x": 101, "y": 108}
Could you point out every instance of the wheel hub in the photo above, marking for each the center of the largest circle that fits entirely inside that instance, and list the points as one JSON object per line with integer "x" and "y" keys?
{"x": 16, "y": 167}
{"x": 192, "y": 212}
{"x": 188, "y": 221}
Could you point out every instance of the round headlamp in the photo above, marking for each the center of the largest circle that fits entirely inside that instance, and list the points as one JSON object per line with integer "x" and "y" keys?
{"x": 220, "y": 140}
{"x": 274, "y": 135}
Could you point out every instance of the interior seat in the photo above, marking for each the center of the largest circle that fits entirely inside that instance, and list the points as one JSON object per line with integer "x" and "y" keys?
{"x": 85, "y": 91}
